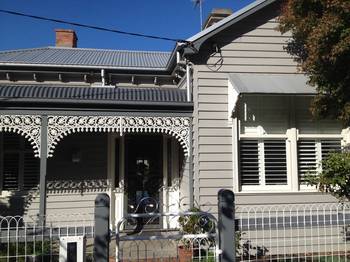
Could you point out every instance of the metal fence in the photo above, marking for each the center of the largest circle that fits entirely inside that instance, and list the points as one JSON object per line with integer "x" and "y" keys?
{"x": 23, "y": 238}
{"x": 196, "y": 241}
{"x": 316, "y": 232}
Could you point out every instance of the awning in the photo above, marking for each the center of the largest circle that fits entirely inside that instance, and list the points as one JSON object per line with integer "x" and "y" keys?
{"x": 271, "y": 84}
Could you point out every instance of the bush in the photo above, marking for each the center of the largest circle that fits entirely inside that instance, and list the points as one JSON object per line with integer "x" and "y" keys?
{"x": 334, "y": 177}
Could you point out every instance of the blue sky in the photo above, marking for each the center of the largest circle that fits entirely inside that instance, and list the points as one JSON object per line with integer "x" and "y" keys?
{"x": 175, "y": 19}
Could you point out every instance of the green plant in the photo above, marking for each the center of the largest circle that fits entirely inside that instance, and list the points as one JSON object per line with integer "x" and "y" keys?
{"x": 29, "y": 249}
{"x": 197, "y": 222}
{"x": 238, "y": 238}
{"x": 334, "y": 177}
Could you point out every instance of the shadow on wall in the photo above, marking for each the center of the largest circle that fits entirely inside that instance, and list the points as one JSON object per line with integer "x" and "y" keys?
{"x": 17, "y": 203}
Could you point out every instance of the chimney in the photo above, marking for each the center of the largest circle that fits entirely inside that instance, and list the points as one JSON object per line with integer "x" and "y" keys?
{"x": 66, "y": 38}
{"x": 216, "y": 15}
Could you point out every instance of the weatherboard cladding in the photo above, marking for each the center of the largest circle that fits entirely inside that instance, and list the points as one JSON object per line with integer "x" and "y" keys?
{"x": 78, "y": 93}
{"x": 87, "y": 57}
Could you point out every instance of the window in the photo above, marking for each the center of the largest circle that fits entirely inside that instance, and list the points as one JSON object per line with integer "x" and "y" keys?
{"x": 263, "y": 162}
{"x": 310, "y": 154}
{"x": 280, "y": 143}
{"x": 19, "y": 168}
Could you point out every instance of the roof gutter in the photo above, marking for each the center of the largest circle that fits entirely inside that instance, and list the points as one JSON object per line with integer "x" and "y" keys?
{"x": 85, "y": 66}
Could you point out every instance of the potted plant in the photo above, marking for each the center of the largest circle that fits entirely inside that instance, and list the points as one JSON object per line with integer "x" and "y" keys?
{"x": 192, "y": 224}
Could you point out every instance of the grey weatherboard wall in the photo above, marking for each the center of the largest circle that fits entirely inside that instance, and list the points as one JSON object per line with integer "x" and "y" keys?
{"x": 250, "y": 46}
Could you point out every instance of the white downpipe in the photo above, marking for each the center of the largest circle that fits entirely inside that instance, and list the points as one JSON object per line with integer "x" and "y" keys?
{"x": 188, "y": 81}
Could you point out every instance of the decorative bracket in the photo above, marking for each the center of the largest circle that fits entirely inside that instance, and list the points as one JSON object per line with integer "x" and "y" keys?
{"x": 28, "y": 126}
{"x": 60, "y": 126}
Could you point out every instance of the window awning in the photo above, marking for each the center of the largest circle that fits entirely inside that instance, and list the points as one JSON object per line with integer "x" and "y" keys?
{"x": 268, "y": 84}
{"x": 271, "y": 84}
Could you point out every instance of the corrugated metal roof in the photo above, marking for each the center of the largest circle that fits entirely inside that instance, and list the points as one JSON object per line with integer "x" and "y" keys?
{"x": 84, "y": 57}
{"x": 271, "y": 83}
{"x": 97, "y": 95}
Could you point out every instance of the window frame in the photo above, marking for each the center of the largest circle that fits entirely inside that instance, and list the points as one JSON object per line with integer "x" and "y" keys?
{"x": 292, "y": 134}
{"x": 261, "y": 155}
{"x": 318, "y": 138}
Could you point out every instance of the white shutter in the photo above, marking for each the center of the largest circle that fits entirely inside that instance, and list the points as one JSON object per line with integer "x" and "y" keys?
{"x": 249, "y": 162}
{"x": 330, "y": 145}
{"x": 307, "y": 158}
{"x": 311, "y": 152}
{"x": 275, "y": 162}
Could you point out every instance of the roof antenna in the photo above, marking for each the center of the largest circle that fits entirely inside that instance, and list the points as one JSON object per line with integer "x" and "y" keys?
{"x": 199, "y": 3}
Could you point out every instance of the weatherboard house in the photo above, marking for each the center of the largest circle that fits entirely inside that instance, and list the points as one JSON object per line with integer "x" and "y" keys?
{"x": 228, "y": 108}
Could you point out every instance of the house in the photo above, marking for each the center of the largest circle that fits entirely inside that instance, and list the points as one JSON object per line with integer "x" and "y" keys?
{"x": 228, "y": 108}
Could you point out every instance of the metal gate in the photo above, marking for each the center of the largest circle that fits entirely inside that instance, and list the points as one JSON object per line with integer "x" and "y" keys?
{"x": 184, "y": 236}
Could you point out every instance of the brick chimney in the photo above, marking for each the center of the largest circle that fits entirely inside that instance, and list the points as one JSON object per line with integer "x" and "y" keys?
{"x": 216, "y": 15}
{"x": 66, "y": 38}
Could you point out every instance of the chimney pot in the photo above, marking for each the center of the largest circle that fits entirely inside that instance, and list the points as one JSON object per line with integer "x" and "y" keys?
{"x": 66, "y": 38}
{"x": 216, "y": 15}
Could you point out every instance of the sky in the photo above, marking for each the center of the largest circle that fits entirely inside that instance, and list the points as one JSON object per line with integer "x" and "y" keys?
{"x": 175, "y": 19}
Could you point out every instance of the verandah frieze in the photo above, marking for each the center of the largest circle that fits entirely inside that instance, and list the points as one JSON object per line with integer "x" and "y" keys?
{"x": 60, "y": 126}
{"x": 28, "y": 126}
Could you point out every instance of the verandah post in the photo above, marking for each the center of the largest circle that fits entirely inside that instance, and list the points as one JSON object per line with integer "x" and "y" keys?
{"x": 226, "y": 225}
{"x": 43, "y": 168}
{"x": 102, "y": 237}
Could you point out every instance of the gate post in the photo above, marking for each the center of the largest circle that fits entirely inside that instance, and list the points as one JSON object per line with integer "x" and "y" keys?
{"x": 101, "y": 240}
{"x": 226, "y": 225}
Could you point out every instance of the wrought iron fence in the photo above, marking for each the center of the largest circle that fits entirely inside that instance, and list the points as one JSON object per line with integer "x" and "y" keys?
{"x": 316, "y": 232}
{"x": 24, "y": 238}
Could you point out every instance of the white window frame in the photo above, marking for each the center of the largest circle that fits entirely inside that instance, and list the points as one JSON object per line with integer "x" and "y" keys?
{"x": 292, "y": 137}
{"x": 318, "y": 138}
{"x": 263, "y": 187}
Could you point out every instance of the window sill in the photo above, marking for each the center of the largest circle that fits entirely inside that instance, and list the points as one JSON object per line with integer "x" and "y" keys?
{"x": 265, "y": 189}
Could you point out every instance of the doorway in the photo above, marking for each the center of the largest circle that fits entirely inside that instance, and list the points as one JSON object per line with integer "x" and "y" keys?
{"x": 143, "y": 173}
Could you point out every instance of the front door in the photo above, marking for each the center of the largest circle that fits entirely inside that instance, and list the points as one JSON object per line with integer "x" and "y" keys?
{"x": 143, "y": 173}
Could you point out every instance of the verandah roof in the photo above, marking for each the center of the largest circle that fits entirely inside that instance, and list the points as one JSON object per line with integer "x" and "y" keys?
{"x": 119, "y": 96}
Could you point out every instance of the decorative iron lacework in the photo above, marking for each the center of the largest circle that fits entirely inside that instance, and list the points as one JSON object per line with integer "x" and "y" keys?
{"x": 60, "y": 126}
{"x": 85, "y": 185}
{"x": 28, "y": 126}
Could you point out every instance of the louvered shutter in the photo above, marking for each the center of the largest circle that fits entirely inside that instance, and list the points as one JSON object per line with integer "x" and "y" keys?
{"x": 19, "y": 163}
{"x": 275, "y": 162}
{"x": 31, "y": 170}
{"x": 249, "y": 162}
{"x": 307, "y": 158}
{"x": 11, "y": 146}
{"x": 328, "y": 146}
{"x": 10, "y": 171}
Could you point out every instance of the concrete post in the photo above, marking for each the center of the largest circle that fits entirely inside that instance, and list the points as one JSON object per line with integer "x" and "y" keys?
{"x": 226, "y": 225}
{"x": 102, "y": 237}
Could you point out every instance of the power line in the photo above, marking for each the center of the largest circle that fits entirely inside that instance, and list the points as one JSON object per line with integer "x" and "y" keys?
{"x": 94, "y": 27}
